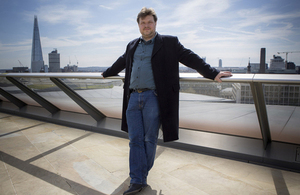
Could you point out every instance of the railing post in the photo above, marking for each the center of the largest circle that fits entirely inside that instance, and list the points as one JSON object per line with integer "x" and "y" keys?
{"x": 261, "y": 110}
{"x": 12, "y": 99}
{"x": 85, "y": 105}
{"x": 40, "y": 100}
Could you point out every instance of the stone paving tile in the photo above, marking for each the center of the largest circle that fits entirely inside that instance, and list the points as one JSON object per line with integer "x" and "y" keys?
{"x": 43, "y": 158}
{"x": 6, "y": 187}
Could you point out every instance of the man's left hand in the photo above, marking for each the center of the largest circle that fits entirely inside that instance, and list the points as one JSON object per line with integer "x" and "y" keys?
{"x": 222, "y": 74}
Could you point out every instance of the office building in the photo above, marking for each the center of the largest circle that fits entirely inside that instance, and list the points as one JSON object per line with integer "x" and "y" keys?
{"x": 277, "y": 63}
{"x": 54, "y": 61}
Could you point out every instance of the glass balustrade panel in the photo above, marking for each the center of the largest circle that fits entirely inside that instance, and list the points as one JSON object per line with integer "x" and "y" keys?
{"x": 225, "y": 108}
{"x": 49, "y": 91}
{"x": 104, "y": 94}
{"x": 283, "y": 108}
{"x": 15, "y": 91}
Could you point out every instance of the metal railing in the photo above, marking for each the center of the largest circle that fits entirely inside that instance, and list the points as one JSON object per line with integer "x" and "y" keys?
{"x": 256, "y": 82}
{"x": 15, "y": 88}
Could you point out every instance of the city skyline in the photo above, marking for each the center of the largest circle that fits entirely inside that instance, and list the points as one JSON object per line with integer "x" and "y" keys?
{"x": 93, "y": 33}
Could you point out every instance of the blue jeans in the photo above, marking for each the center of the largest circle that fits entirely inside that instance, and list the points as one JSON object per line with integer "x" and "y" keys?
{"x": 143, "y": 124}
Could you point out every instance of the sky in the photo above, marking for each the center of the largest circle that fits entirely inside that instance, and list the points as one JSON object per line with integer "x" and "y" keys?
{"x": 96, "y": 32}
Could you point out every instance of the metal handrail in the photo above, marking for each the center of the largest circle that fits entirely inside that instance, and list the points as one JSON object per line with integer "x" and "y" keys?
{"x": 235, "y": 78}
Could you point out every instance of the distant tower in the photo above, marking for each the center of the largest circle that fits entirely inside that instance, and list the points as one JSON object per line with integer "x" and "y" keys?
{"x": 37, "y": 62}
{"x": 54, "y": 61}
{"x": 262, "y": 68}
{"x": 249, "y": 67}
{"x": 220, "y": 63}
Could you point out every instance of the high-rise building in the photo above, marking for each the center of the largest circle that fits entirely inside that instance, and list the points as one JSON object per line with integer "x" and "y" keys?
{"x": 277, "y": 63}
{"x": 37, "y": 62}
{"x": 220, "y": 63}
{"x": 54, "y": 61}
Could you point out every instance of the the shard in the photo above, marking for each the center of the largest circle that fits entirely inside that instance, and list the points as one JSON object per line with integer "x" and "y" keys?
{"x": 37, "y": 62}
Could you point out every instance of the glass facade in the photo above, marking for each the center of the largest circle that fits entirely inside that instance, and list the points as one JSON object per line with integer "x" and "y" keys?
{"x": 37, "y": 62}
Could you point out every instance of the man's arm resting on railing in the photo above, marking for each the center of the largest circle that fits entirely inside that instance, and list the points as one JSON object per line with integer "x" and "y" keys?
{"x": 222, "y": 74}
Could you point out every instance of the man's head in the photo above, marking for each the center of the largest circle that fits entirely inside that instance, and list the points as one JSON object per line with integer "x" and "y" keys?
{"x": 147, "y": 23}
{"x": 146, "y": 12}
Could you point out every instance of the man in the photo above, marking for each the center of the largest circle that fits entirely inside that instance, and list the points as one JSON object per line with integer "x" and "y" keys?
{"x": 151, "y": 92}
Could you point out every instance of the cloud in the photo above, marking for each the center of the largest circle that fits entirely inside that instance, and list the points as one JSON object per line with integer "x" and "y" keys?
{"x": 110, "y": 31}
{"x": 254, "y": 17}
{"x": 113, "y": 4}
{"x": 101, "y": 29}
{"x": 213, "y": 22}
{"x": 106, "y": 7}
{"x": 80, "y": 24}
{"x": 197, "y": 11}
{"x": 60, "y": 42}
{"x": 264, "y": 24}
{"x": 14, "y": 47}
{"x": 57, "y": 14}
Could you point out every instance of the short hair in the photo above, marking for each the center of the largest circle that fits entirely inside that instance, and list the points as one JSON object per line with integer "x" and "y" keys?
{"x": 146, "y": 12}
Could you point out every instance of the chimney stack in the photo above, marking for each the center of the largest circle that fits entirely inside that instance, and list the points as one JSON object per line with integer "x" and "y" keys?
{"x": 262, "y": 68}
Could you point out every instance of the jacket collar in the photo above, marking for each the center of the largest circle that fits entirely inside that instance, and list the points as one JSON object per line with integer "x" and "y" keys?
{"x": 157, "y": 44}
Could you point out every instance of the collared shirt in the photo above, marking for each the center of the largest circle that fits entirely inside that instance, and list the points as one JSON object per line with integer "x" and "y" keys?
{"x": 142, "y": 74}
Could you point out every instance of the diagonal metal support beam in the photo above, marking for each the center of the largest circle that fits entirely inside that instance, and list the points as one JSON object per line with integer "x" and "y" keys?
{"x": 261, "y": 110}
{"x": 16, "y": 101}
{"x": 39, "y": 99}
{"x": 85, "y": 105}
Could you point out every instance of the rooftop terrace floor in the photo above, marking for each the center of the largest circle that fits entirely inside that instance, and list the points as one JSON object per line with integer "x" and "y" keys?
{"x": 44, "y": 158}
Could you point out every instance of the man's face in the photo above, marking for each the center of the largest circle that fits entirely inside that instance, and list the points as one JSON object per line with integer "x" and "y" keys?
{"x": 147, "y": 27}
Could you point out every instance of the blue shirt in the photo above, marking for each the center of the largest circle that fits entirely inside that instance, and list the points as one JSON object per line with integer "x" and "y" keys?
{"x": 142, "y": 74}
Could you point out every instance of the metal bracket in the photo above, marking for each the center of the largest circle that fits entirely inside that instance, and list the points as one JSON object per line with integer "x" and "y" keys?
{"x": 85, "y": 105}
{"x": 39, "y": 99}
{"x": 12, "y": 98}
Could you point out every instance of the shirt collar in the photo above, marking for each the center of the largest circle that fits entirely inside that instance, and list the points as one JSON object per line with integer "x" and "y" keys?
{"x": 148, "y": 42}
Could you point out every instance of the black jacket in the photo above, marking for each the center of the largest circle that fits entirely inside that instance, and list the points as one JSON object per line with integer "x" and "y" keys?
{"x": 166, "y": 55}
